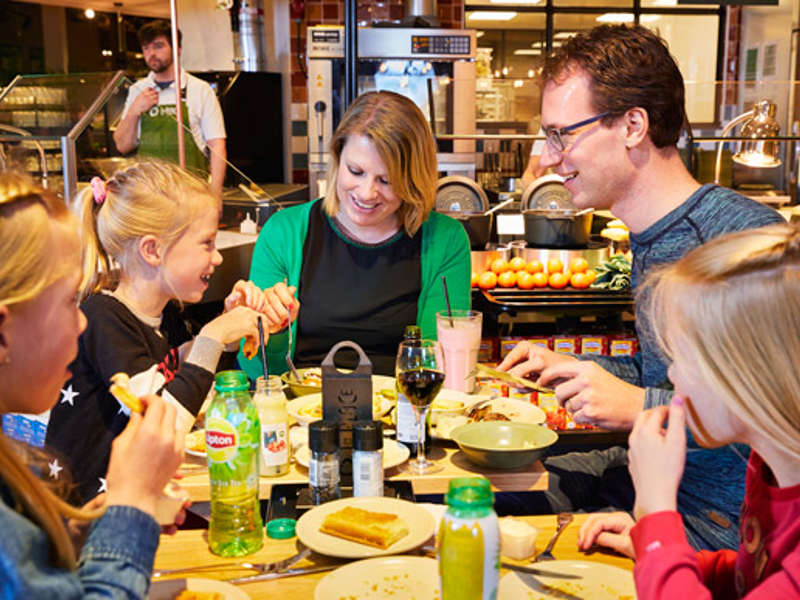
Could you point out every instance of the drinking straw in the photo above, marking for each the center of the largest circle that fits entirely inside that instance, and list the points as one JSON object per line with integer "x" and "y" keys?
{"x": 447, "y": 301}
{"x": 263, "y": 349}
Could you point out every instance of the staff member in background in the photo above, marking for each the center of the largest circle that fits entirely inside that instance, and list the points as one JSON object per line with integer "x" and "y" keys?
{"x": 148, "y": 121}
{"x": 368, "y": 259}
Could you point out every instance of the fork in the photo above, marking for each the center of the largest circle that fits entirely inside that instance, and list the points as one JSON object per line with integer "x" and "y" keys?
{"x": 273, "y": 567}
{"x": 564, "y": 519}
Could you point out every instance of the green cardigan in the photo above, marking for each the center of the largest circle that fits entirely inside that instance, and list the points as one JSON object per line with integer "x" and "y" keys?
{"x": 278, "y": 255}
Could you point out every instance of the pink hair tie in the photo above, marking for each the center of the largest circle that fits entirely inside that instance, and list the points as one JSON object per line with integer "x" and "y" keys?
{"x": 98, "y": 189}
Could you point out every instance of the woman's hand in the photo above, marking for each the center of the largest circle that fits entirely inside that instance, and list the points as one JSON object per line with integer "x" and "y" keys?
{"x": 144, "y": 457}
{"x": 78, "y": 528}
{"x": 610, "y": 530}
{"x": 657, "y": 456}
{"x": 245, "y": 293}
{"x": 233, "y": 325}
{"x": 282, "y": 307}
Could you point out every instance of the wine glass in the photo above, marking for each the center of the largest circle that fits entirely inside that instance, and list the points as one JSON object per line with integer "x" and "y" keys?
{"x": 420, "y": 375}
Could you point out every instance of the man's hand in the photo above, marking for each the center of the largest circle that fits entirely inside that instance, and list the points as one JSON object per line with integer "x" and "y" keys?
{"x": 657, "y": 456}
{"x": 611, "y": 530}
{"x": 526, "y": 358}
{"x": 593, "y": 395}
{"x": 146, "y": 100}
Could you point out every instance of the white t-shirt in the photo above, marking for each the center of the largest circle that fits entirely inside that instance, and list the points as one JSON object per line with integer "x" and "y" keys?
{"x": 205, "y": 114}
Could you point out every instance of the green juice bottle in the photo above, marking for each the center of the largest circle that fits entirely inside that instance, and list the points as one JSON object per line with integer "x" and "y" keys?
{"x": 233, "y": 434}
{"x": 469, "y": 542}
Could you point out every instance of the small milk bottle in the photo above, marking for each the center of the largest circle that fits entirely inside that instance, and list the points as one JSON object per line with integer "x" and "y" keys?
{"x": 270, "y": 402}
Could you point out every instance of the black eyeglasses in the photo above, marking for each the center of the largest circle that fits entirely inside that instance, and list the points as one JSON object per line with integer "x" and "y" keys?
{"x": 555, "y": 137}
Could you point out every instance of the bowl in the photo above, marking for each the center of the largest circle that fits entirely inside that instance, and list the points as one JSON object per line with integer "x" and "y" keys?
{"x": 303, "y": 388}
{"x": 503, "y": 444}
{"x": 308, "y": 408}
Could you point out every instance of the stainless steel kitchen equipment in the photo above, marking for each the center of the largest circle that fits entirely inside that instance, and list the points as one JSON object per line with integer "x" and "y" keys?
{"x": 551, "y": 220}
{"x": 433, "y": 67}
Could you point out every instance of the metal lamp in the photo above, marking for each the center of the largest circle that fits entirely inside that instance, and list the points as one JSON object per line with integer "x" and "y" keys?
{"x": 759, "y": 150}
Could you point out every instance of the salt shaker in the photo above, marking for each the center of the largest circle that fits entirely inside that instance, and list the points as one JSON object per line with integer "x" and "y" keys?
{"x": 323, "y": 467}
{"x": 368, "y": 458}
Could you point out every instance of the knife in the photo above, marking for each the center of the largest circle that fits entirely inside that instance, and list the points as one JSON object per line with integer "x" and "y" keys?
{"x": 285, "y": 573}
{"x": 538, "y": 572}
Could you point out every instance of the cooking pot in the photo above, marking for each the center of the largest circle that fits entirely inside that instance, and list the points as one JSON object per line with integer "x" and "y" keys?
{"x": 477, "y": 225}
{"x": 560, "y": 228}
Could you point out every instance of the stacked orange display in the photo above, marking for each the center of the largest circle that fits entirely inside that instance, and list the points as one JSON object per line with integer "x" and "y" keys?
{"x": 535, "y": 274}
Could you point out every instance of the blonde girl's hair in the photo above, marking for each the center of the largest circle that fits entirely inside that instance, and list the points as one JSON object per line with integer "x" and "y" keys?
{"x": 28, "y": 266}
{"x": 151, "y": 197}
{"x": 734, "y": 304}
{"x": 403, "y": 140}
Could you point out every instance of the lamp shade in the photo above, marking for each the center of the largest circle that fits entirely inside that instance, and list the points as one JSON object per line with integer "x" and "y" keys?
{"x": 760, "y": 151}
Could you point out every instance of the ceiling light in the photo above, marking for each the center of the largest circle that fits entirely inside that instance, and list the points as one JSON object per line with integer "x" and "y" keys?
{"x": 487, "y": 15}
{"x": 527, "y": 52}
{"x": 615, "y": 18}
{"x": 530, "y": 73}
{"x": 88, "y": 13}
{"x": 479, "y": 34}
{"x": 563, "y": 35}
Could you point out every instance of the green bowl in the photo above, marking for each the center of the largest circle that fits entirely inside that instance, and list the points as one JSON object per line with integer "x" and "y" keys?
{"x": 298, "y": 388}
{"x": 503, "y": 444}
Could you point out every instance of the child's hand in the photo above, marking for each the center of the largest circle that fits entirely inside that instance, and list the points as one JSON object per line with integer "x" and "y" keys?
{"x": 612, "y": 530}
{"x": 282, "y": 307}
{"x": 657, "y": 456}
{"x": 233, "y": 325}
{"x": 245, "y": 293}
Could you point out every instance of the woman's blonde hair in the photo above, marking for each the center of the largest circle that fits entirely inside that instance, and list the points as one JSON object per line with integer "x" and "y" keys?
{"x": 152, "y": 197}
{"x": 28, "y": 266}
{"x": 403, "y": 140}
{"x": 734, "y": 303}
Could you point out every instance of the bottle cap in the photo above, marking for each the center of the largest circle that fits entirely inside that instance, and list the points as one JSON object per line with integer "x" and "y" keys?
{"x": 367, "y": 435}
{"x": 413, "y": 332}
{"x": 323, "y": 436}
{"x": 281, "y": 529}
{"x": 226, "y": 381}
{"x": 468, "y": 492}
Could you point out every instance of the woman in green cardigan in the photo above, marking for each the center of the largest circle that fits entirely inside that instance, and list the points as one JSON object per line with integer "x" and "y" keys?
{"x": 368, "y": 259}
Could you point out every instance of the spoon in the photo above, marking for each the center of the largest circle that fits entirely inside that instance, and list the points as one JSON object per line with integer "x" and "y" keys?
{"x": 498, "y": 206}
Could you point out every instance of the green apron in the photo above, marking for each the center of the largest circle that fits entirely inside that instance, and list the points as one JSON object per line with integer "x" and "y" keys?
{"x": 158, "y": 137}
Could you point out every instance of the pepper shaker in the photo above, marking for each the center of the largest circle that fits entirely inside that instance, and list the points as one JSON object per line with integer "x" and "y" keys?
{"x": 323, "y": 466}
{"x": 368, "y": 458}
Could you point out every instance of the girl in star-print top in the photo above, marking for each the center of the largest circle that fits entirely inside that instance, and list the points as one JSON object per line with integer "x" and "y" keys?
{"x": 159, "y": 224}
{"x": 728, "y": 316}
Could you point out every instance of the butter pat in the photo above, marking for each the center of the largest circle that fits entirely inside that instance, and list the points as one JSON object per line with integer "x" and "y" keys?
{"x": 517, "y": 538}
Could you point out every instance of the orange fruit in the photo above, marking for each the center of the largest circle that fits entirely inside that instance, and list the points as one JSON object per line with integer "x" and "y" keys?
{"x": 487, "y": 280}
{"x": 507, "y": 279}
{"x": 499, "y": 265}
{"x": 540, "y": 279}
{"x": 534, "y": 266}
{"x": 558, "y": 280}
{"x": 591, "y": 275}
{"x": 579, "y": 281}
{"x": 474, "y": 279}
{"x": 517, "y": 263}
{"x": 554, "y": 265}
{"x": 578, "y": 265}
{"x": 525, "y": 280}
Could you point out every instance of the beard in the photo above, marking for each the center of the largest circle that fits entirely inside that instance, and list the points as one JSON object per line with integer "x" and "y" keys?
{"x": 160, "y": 67}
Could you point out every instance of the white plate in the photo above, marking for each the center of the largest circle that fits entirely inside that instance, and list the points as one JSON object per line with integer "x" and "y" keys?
{"x": 393, "y": 454}
{"x": 395, "y": 577}
{"x": 191, "y": 439}
{"x": 516, "y": 410}
{"x": 420, "y": 524}
{"x": 599, "y": 582}
{"x": 163, "y": 590}
{"x": 299, "y": 407}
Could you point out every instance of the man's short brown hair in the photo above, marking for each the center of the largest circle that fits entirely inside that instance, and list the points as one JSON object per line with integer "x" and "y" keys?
{"x": 150, "y": 31}
{"x": 630, "y": 66}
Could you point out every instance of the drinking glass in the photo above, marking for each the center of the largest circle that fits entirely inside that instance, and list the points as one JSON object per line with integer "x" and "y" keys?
{"x": 420, "y": 375}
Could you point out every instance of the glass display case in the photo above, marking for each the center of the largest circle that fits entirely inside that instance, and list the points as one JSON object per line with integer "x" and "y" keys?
{"x": 53, "y": 126}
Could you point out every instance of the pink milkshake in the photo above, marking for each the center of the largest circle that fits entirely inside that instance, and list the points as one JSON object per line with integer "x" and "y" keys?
{"x": 460, "y": 336}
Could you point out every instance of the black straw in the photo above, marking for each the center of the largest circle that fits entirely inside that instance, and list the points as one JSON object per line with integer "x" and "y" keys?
{"x": 263, "y": 349}
{"x": 447, "y": 301}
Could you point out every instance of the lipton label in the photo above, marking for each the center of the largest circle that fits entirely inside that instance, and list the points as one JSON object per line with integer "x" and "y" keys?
{"x": 222, "y": 440}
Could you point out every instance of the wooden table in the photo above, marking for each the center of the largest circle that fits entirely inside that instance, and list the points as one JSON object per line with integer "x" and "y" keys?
{"x": 190, "y": 547}
{"x": 530, "y": 478}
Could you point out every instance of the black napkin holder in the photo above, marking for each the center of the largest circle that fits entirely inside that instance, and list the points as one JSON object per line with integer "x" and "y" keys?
{"x": 346, "y": 398}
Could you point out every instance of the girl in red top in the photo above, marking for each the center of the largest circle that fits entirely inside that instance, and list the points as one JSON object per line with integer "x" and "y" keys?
{"x": 728, "y": 316}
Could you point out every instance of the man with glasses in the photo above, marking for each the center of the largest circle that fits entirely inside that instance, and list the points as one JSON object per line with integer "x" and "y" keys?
{"x": 612, "y": 113}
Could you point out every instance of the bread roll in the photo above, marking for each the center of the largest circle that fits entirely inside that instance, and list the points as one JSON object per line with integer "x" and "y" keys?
{"x": 365, "y": 526}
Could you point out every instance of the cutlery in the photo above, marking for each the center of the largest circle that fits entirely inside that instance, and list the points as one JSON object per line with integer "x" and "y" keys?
{"x": 277, "y": 566}
{"x": 564, "y": 519}
{"x": 285, "y": 573}
{"x": 289, "y": 361}
{"x": 538, "y": 572}
{"x": 514, "y": 380}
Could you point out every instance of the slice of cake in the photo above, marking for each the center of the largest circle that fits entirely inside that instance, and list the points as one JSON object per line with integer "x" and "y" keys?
{"x": 365, "y": 526}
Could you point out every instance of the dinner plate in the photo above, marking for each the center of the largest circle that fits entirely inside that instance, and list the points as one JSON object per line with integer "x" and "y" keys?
{"x": 393, "y": 454}
{"x": 167, "y": 590}
{"x": 300, "y": 408}
{"x": 192, "y": 439}
{"x": 598, "y": 581}
{"x": 516, "y": 410}
{"x": 420, "y": 524}
{"x": 395, "y": 577}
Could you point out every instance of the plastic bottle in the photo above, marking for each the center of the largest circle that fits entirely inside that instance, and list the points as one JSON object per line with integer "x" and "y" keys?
{"x": 270, "y": 402}
{"x": 368, "y": 458}
{"x": 468, "y": 544}
{"x": 232, "y": 444}
{"x": 323, "y": 466}
{"x": 406, "y": 425}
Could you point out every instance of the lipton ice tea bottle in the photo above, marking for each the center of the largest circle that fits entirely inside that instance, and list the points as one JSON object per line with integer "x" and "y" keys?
{"x": 232, "y": 444}
{"x": 468, "y": 544}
